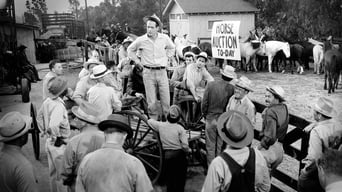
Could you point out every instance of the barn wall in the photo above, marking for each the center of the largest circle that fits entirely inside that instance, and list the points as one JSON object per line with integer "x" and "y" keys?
{"x": 179, "y": 21}
{"x": 199, "y": 24}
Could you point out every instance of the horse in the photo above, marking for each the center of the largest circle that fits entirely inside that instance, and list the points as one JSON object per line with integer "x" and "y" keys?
{"x": 248, "y": 51}
{"x": 333, "y": 66}
{"x": 318, "y": 55}
{"x": 270, "y": 48}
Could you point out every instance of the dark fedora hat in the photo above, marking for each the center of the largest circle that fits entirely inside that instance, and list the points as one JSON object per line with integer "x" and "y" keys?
{"x": 235, "y": 129}
{"x": 118, "y": 122}
{"x": 154, "y": 18}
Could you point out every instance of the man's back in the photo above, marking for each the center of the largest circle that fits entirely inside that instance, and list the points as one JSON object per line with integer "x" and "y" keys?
{"x": 111, "y": 169}
{"x": 16, "y": 172}
{"x": 216, "y": 96}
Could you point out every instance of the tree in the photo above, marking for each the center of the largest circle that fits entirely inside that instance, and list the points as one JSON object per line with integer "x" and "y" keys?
{"x": 35, "y": 10}
{"x": 74, "y": 4}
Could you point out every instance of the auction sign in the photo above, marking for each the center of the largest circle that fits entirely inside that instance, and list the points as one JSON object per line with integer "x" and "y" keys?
{"x": 225, "y": 40}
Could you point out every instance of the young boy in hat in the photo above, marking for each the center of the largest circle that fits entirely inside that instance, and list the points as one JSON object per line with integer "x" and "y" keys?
{"x": 111, "y": 168}
{"x": 326, "y": 125}
{"x": 238, "y": 167}
{"x": 175, "y": 145}
{"x": 240, "y": 101}
{"x": 177, "y": 78}
{"x": 89, "y": 140}
{"x": 195, "y": 73}
{"x": 16, "y": 171}
{"x": 101, "y": 95}
{"x": 53, "y": 121}
{"x": 216, "y": 95}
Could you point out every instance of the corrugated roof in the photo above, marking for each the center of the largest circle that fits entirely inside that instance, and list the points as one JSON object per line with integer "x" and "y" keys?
{"x": 215, "y": 6}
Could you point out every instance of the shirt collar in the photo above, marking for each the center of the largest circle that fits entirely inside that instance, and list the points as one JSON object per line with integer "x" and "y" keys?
{"x": 112, "y": 145}
{"x": 11, "y": 148}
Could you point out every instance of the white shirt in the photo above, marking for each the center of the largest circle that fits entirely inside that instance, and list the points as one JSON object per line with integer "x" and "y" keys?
{"x": 105, "y": 98}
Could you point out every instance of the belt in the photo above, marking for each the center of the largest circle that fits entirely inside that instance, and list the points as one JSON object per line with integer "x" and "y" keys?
{"x": 155, "y": 68}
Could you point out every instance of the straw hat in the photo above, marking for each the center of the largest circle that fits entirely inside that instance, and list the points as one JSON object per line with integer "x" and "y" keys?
{"x": 91, "y": 61}
{"x": 189, "y": 54}
{"x": 277, "y": 91}
{"x": 87, "y": 112}
{"x": 244, "y": 83}
{"x": 127, "y": 40}
{"x": 14, "y": 125}
{"x": 99, "y": 71}
{"x": 155, "y": 18}
{"x": 229, "y": 72}
{"x": 325, "y": 106}
{"x": 235, "y": 129}
{"x": 116, "y": 121}
{"x": 56, "y": 86}
{"x": 203, "y": 55}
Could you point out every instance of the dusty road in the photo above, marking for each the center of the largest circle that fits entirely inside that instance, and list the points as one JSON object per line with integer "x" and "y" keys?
{"x": 301, "y": 93}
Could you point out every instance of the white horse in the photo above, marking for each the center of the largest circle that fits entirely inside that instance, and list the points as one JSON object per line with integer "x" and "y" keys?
{"x": 318, "y": 55}
{"x": 248, "y": 52}
{"x": 270, "y": 48}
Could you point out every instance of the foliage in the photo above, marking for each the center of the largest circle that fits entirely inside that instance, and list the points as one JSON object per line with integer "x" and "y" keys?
{"x": 131, "y": 12}
{"x": 34, "y": 12}
{"x": 74, "y": 4}
{"x": 295, "y": 20}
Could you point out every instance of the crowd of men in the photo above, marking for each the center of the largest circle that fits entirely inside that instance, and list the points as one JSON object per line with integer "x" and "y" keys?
{"x": 94, "y": 159}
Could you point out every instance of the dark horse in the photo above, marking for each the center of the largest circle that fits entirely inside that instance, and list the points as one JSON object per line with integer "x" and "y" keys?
{"x": 333, "y": 67}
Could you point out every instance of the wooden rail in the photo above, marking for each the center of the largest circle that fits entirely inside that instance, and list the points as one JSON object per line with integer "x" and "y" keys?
{"x": 292, "y": 136}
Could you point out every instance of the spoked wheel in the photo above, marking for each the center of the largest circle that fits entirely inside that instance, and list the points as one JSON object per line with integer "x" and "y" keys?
{"x": 191, "y": 119}
{"x": 145, "y": 144}
{"x": 35, "y": 132}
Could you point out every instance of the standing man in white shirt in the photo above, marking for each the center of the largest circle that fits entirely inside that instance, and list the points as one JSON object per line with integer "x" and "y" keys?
{"x": 154, "y": 49}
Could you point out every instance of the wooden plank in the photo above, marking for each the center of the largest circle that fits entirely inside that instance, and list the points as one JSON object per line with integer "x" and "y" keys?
{"x": 289, "y": 181}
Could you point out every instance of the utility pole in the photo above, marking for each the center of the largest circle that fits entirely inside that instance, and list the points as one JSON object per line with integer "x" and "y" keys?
{"x": 86, "y": 7}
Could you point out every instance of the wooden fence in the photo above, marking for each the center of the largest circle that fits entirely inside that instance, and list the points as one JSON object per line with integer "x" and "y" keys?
{"x": 292, "y": 136}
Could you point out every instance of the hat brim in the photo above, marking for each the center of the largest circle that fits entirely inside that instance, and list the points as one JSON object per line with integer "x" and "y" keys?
{"x": 320, "y": 110}
{"x": 116, "y": 124}
{"x": 86, "y": 64}
{"x": 198, "y": 56}
{"x": 28, "y": 121}
{"x": 155, "y": 20}
{"x": 94, "y": 120}
{"x": 233, "y": 76}
{"x": 239, "y": 144}
{"x": 275, "y": 93}
{"x": 92, "y": 76}
{"x": 244, "y": 87}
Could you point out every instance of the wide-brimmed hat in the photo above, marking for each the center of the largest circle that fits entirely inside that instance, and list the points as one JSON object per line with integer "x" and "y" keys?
{"x": 99, "y": 71}
{"x": 154, "y": 18}
{"x": 174, "y": 112}
{"x": 13, "y": 125}
{"x": 189, "y": 54}
{"x": 244, "y": 83}
{"x": 116, "y": 121}
{"x": 86, "y": 112}
{"x": 277, "y": 91}
{"x": 325, "y": 106}
{"x": 127, "y": 40}
{"x": 235, "y": 129}
{"x": 229, "y": 72}
{"x": 203, "y": 55}
{"x": 56, "y": 86}
{"x": 91, "y": 61}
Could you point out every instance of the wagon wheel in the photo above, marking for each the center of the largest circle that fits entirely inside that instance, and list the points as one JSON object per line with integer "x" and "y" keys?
{"x": 25, "y": 90}
{"x": 35, "y": 132}
{"x": 191, "y": 119}
{"x": 145, "y": 144}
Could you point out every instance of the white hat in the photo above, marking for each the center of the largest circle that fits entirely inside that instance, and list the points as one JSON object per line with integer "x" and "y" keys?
{"x": 244, "y": 83}
{"x": 99, "y": 71}
{"x": 127, "y": 40}
{"x": 87, "y": 112}
{"x": 203, "y": 54}
{"x": 277, "y": 91}
{"x": 14, "y": 125}
{"x": 229, "y": 72}
{"x": 91, "y": 61}
{"x": 325, "y": 106}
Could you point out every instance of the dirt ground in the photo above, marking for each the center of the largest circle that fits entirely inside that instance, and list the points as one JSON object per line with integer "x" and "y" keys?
{"x": 302, "y": 91}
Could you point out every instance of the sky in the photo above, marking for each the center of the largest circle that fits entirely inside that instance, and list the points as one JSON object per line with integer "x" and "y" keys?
{"x": 64, "y": 6}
